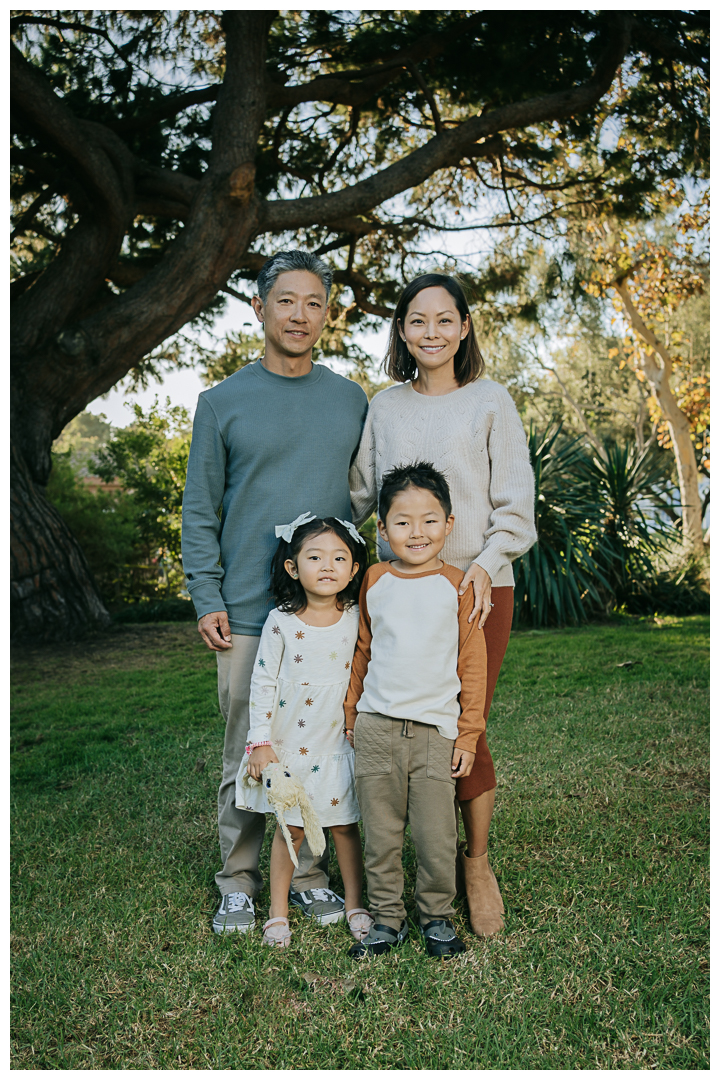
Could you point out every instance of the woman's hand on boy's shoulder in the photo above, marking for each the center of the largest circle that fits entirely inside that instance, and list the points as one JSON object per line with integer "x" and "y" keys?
{"x": 482, "y": 591}
{"x": 462, "y": 762}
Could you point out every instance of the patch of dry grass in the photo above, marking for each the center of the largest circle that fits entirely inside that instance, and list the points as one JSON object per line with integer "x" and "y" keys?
{"x": 600, "y": 846}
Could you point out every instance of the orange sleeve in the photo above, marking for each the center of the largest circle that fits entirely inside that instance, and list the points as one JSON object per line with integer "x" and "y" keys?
{"x": 361, "y": 659}
{"x": 472, "y": 672}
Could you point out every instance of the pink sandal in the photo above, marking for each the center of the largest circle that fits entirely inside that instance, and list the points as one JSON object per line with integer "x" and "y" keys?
{"x": 276, "y": 934}
{"x": 360, "y": 922}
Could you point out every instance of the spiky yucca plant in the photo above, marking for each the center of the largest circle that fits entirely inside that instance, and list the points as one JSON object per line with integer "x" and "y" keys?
{"x": 629, "y": 490}
{"x": 558, "y": 580}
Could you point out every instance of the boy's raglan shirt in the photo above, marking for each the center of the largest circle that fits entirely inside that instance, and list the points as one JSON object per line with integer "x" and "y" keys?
{"x": 417, "y": 657}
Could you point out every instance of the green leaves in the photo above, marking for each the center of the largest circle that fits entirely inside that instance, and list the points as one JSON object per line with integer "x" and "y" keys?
{"x": 558, "y": 579}
{"x": 130, "y": 535}
{"x": 628, "y": 490}
{"x": 150, "y": 459}
{"x": 604, "y": 537}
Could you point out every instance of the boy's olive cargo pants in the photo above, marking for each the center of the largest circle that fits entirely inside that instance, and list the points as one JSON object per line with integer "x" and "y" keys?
{"x": 403, "y": 775}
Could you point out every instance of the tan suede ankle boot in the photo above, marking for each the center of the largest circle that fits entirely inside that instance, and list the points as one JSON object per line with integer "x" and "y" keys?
{"x": 483, "y": 896}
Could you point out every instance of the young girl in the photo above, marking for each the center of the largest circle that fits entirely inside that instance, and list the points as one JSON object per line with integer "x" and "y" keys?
{"x": 298, "y": 686}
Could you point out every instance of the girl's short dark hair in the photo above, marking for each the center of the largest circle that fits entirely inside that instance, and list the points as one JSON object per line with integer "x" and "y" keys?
{"x": 287, "y": 592}
{"x": 400, "y": 365}
{"x": 422, "y": 475}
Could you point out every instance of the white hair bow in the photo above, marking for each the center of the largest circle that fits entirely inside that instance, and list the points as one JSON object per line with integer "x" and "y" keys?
{"x": 286, "y": 531}
{"x": 352, "y": 530}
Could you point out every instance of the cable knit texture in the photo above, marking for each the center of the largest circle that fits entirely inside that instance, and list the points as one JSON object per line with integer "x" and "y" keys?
{"x": 475, "y": 437}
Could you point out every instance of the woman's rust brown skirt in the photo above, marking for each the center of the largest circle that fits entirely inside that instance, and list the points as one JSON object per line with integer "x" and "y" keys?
{"x": 497, "y": 635}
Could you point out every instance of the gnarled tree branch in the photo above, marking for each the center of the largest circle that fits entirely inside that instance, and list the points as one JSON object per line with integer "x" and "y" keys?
{"x": 443, "y": 151}
{"x": 46, "y": 112}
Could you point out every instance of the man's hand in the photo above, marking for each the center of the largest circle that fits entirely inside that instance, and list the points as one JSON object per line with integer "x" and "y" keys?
{"x": 482, "y": 588}
{"x": 462, "y": 763}
{"x": 214, "y": 629}
{"x": 260, "y": 757}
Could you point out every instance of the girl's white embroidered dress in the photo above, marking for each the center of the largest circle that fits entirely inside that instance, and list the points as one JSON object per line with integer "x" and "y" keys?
{"x": 297, "y": 691}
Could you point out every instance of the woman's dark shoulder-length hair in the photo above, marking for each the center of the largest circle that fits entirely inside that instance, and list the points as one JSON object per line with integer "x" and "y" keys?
{"x": 400, "y": 365}
{"x": 287, "y": 592}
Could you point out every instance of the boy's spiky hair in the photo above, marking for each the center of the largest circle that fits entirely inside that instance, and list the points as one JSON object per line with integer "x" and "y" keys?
{"x": 422, "y": 475}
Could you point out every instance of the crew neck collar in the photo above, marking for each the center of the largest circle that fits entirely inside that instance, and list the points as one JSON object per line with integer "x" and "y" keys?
{"x": 299, "y": 380}
{"x": 414, "y": 577}
{"x": 434, "y": 397}
{"x": 310, "y": 626}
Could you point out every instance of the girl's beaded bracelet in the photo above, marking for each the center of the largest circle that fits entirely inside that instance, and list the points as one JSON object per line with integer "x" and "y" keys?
{"x": 251, "y": 746}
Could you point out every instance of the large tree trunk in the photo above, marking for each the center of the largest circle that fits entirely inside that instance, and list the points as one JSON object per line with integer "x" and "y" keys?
{"x": 658, "y": 375}
{"x": 72, "y": 339}
{"x": 52, "y": 591}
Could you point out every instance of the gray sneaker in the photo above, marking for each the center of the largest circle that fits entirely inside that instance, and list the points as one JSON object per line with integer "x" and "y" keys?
{"x": 235, "y": 914}
{"x": 323, "y": 905}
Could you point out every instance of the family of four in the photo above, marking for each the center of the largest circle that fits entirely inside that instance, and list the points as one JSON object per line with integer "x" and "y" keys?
{"x": 372, "y": 685}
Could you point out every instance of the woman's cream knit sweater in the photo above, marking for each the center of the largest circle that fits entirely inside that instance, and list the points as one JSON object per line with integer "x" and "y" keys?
{"x": 474, "y": 436}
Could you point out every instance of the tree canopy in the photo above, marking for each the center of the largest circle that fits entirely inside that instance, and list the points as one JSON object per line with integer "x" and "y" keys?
{"x": 159, "y": 157}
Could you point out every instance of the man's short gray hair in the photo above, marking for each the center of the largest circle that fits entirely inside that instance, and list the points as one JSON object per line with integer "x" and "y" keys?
{"x": 292, "y": 260}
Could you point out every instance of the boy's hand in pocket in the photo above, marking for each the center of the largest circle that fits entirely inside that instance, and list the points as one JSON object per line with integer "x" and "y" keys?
{"x": 462, "y": 762}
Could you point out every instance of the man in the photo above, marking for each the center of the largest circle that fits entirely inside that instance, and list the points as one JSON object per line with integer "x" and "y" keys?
{"x": 270, "y": 442}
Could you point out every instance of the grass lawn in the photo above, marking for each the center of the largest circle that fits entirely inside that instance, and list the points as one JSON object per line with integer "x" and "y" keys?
{"x": 600, "y": 845}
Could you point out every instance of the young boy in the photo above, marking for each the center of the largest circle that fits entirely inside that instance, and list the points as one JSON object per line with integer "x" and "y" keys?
{"x": 414, "y": 710}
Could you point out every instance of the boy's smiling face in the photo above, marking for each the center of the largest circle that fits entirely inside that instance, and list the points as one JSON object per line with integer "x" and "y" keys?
{"x": 415, "y": 527}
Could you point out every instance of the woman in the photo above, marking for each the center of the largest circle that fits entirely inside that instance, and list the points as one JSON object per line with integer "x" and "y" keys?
{"x": 470, "y": 430}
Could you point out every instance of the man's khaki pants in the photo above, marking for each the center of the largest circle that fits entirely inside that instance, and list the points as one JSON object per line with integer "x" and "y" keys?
{"x": 403, "y": 774}
{"x": 241, "y": 831}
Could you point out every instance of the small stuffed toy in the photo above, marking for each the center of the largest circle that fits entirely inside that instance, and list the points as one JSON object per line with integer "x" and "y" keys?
{"x": 283, "y": 792}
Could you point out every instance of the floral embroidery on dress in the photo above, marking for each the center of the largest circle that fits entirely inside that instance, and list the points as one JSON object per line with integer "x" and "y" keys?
{"x": 326, "y": 665}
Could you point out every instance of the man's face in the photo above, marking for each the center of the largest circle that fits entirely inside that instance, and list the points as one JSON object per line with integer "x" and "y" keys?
{"x": 294, "y": 313}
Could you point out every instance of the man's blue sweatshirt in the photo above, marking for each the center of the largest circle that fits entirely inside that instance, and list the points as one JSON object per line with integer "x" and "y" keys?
{"x": 265, "y": 448}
